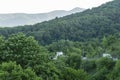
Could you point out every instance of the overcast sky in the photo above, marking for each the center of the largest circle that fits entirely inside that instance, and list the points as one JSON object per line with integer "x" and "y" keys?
{"x": 41, "y": 6}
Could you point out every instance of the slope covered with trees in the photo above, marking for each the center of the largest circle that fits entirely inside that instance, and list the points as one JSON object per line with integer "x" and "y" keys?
{"x": 83, "y": 38}
{"x": 22, "y": 58}
{"x": 85, "y": 26}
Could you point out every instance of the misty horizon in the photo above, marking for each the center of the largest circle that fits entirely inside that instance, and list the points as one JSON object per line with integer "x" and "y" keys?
{"x": 45, "y": 6}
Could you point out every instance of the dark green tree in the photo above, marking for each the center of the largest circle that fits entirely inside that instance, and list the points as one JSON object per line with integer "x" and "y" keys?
{"x": 72, "y": 74}
{"x": 74, "y": 61}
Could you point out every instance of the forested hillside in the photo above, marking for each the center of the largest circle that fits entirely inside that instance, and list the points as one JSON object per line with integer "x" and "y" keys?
{"x": 22, "y": 58}
{"x": 88, "y": 44}
{"x": 88, "y": 25}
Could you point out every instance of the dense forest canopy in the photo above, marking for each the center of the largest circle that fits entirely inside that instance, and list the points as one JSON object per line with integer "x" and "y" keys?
{"x": 89, "y": 43}
{"x": 22, "y": 58}
{"x": 85, "y": 26}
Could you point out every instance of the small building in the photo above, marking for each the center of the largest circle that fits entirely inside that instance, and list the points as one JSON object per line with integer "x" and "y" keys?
{"x": 107, "y": 55}
{"x": 83, "y": 58}
{"x": 58, "y": 54}
{"x": 115, "y": 59}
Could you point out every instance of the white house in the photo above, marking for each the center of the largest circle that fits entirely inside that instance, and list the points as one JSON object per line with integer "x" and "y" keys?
{"x": 115, "y": 59}
{"x": 107, "y": 55}
{"x": 84, "y": 58}
{"x": 58, "y": 54}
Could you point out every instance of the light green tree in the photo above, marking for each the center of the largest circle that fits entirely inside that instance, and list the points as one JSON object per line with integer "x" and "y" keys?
{"x": 12, "y": 71}
{"x": 22, "y": 49}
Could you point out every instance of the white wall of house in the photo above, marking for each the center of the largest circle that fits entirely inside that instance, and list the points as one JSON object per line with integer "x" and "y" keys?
{"x": 58, "y": 54}
{"x": 107, "y": 55}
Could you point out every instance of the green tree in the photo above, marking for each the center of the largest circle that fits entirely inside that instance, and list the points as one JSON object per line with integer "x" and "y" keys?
{"x": 115, "y": 73}
{"x": 12, "y": 71}
{"x": 2, "y": 46}
{"x": 88, "y": 65}
{"x": 72, "y": 74}
{"x": 103, "y": 67}
{"x": 100, "y": 74}
{"x": 105, "y": 62}
{"x": 74, "y": 61}
{"x": 47, "y": 71}
{"x": 21, "y": 49}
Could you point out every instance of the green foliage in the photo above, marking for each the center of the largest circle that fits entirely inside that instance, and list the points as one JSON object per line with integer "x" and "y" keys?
{"x": 12, "y": 71}
{"x": 24, "y": 50}
{"x": 37, "y": 63}
{"x": 47, "y": 71}
{"x": 105, "y": 63}
{"x": 36, "y": 60}
{"x": 115, "y": 75}
{"x": 72, "y": 74}
{"x": 66, "y": 46}
{"x": 2, "y": 45}
{"x": 88, "y": 34}
{"x": 61, "y": 45}
{"x": 88, "y": 65}
{"x": 101, "y": 74}
{"x": 85, "y": 26}
{"x": 74, "y": 61}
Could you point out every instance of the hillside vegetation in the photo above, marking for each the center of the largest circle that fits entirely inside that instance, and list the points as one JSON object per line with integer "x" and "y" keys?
{"x": 88, "y": 25}
{"x": 29, "y": 52}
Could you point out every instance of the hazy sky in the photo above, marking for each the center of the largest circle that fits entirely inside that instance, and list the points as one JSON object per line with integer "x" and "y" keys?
{"x": 40, "y": 6}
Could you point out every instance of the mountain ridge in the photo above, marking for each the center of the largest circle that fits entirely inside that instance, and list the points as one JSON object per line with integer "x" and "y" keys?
{"x": 16, "y": 19}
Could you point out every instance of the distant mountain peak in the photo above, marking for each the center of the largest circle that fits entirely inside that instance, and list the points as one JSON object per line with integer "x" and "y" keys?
{"x": 77, "y": 9}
